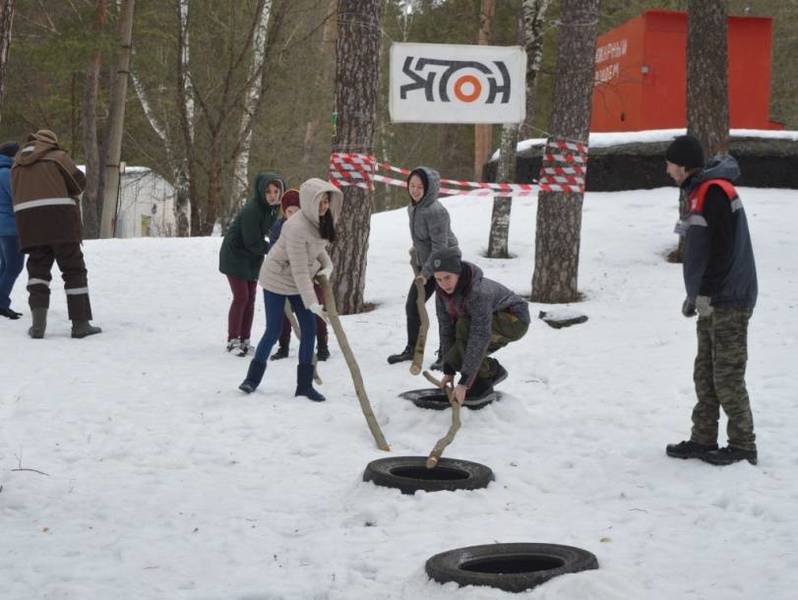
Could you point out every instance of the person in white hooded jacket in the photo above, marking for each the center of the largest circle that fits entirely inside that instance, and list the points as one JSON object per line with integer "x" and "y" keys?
{"x": 287, "y": 273}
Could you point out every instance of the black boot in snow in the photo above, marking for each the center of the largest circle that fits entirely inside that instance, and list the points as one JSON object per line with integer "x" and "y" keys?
{"x": 8, "y": 313}
{"x": 254, "y": 376}
{"x": 322, "y": 352}
{"x": 82, "y": 329}
{"x": 36, "y": 331}
{"x": 304, "y": 383}
{"x": 406, "y": 354}
{"x": 479, "y": 389}
{"x": 438, "y": 364}
{"x": 729, "y": 455}
{"x": 497, "y": 372}
{"x": 282, "y": 352}
{"x": 689, "y": 449}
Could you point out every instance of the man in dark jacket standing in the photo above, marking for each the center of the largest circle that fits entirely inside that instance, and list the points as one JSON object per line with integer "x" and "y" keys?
{"x": 11, "y": 259}
{"x": 46, "y": 184}
{"x": 720, "y": 279}
{"x": 476, "y": 317}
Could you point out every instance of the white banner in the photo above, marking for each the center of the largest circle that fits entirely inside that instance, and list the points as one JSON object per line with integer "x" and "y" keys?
{"x": 451, "y": 83}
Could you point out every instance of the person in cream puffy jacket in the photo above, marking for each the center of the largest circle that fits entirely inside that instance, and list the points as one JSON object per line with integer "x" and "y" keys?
{"x": 287, "y": 273}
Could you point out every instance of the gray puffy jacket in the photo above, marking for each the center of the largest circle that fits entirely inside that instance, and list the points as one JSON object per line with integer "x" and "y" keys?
{"x": 430, "y": 228}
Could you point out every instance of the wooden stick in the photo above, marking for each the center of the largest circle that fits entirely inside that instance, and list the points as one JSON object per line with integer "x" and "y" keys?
{"x": 289, "y": 314}
{"x": 435, "y": 455}
{"x": 421, "y": 304}
{"x": 354, "y": 369}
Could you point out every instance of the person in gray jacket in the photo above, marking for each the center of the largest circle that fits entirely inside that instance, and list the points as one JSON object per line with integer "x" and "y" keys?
{"x": 476, "y": 317}
{"x": 430, "y": 231}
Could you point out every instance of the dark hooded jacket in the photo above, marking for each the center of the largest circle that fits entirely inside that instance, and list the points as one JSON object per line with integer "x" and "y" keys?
{"x": 46, "y": 185}
{"x": 478, "y": 299}
{"x": 244, "y": 244}
{"x": 718, "y": 254}
{"x": 430, "y": 227}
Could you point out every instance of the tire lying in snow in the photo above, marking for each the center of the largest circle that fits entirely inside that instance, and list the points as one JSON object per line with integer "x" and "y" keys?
{"x": 508, "y": 567}
{"x": 410, "y": 474}
{"x": 436, "y": 399}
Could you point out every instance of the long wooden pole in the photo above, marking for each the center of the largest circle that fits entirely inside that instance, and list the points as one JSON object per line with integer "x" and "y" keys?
{"x": 354, "y": 369}
{"x": 435, "y": 456}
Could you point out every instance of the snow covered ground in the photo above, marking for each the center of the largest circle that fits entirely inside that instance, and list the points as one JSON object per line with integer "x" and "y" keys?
{"x": 164, "y": 481}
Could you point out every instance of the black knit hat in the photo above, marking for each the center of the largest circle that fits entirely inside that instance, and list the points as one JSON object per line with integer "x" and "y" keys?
{"x": 9, "y": 149}
{"x": 447, "y": 259}
{"x": 686, "y": 151}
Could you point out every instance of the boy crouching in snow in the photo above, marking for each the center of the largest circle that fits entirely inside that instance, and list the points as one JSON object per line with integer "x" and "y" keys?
{"x": 476, "y": 317}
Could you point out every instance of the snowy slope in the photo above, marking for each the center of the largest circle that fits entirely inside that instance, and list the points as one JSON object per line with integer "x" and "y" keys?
{"x": 164, "y": 481}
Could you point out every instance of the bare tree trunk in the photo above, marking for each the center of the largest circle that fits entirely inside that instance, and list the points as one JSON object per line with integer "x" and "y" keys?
{"x": 117, "y": 121}
{"x": 483, "y": 133}
{"x": 502, "y": 205}
{"x": 6, "y": 22}
{"x": 251, "y": 103}
{"x": 357, "y": 81}
{"x": 707, "y": 74}
{"x": 530, "y": 34}
{"x": 707, "y": 85}
{"x": 323, "y": 79}
{"x": 186, "y": 180}
{"x": 534, "y": 15}
{"x": 559, "y": 218}
{"x": 90, "y": 205}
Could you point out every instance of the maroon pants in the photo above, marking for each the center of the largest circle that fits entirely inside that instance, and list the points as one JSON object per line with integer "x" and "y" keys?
{"x": 321, "y": 326}
{"x": 239, "y": 319}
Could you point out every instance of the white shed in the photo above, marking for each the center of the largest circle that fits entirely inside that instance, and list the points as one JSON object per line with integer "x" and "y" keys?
{"x": 146, "y": 205}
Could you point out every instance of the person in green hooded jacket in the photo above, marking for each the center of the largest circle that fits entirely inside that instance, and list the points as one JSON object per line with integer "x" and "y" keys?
{"x": 242, "y": 252}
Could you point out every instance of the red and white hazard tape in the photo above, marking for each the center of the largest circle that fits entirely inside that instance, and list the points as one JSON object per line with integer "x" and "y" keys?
{"x": 564, "y": 169}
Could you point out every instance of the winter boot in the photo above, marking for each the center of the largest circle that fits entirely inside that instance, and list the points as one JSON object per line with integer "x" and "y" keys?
{"x": 322, "y": 351}
{"x": 304, "y": 383}
{"x": 406, "y": 354}
{"x": 282, "y": 351}
{"x": 244, "y": 348}
{"x": 254, "y": 376}
{"x": 479, "y": 389}
{"x": 82, "y": 329}
{"x": 689, "y": 449}
{"x": 729, "y": 455}
{"x": 10, "y": 314}
{"x": 233, "y": 344}
{"x": 36, "y": 330}
{"x": 497, "y": 372}
{"x": 438, "y": 364}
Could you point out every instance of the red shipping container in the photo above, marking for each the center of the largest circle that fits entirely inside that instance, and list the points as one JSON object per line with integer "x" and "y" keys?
{"x": 641, "y": 74}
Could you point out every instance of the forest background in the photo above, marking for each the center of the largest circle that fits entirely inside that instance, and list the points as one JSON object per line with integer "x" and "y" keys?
{"x": 55, "y": 46}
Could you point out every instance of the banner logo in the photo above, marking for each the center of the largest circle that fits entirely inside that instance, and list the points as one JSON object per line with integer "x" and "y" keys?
{"x": 449, "y": 83}
{"x": 466, "y": 87}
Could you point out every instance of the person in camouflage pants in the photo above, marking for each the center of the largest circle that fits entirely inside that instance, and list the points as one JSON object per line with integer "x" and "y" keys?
{"x": 721, "y": 284}
{"x": 719, "y": 376}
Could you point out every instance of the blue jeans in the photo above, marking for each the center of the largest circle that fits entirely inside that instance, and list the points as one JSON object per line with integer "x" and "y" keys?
{"x": 274, "y": 325}
{"x": 11, "y": 263}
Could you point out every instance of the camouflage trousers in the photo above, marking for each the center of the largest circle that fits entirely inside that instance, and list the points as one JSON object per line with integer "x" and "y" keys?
{"x": 505, "y": 328}
{"x": 719, "y": 376}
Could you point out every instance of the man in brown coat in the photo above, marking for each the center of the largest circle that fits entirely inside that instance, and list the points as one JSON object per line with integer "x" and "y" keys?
{"x": 46, "y": 184}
